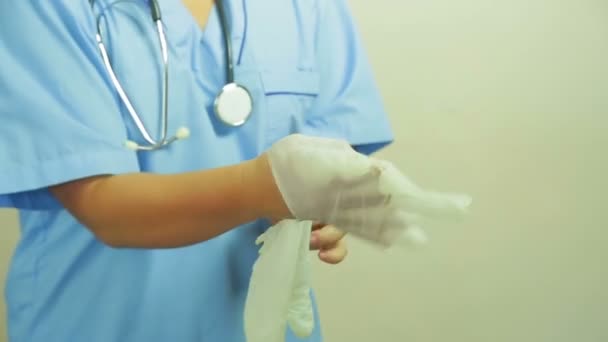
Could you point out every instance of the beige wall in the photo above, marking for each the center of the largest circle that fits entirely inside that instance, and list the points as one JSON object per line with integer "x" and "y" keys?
{"x": 507, "y": 100}
{"x": 8, "y": 238}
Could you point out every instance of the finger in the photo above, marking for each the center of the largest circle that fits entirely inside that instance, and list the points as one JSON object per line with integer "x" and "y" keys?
{"x": 393, "y": 181}
{"x": 359, "y": 201}
{"x": 314, "y": 236}
{"x": 414, "y": 235}
{"x": 382, "y": 227}
{"x": 330, "y": 235}
{"x": 375, "y": 219}
{"x": 393, "y": 232}
{"x": 409, "y": 196}
{"x": 334, "y": 255}
{"x": 326, "y": 237}
{"x": 435, "y": 204}
{"x": 317, "y": 226}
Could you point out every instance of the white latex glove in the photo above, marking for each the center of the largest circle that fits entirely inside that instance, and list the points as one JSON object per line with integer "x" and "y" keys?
{"x": 414, "y": 204}
{"x": 279, "y": 289}
{"x": 300, "y": 315}
{"x": 325, "y": 180}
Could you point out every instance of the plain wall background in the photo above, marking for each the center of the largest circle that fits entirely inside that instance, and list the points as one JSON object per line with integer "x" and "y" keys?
{"x": 507, "y": 100}
{"x": 8, "y": 238}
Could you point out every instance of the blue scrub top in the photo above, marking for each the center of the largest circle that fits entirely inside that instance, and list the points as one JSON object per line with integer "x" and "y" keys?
{"x": 61, "y": 120}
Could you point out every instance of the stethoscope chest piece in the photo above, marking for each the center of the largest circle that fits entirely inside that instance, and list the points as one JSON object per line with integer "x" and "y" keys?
{"x": 233, "y": 105}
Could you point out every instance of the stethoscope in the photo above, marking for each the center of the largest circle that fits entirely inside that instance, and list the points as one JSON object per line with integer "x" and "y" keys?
{"x": 232, "y": 106}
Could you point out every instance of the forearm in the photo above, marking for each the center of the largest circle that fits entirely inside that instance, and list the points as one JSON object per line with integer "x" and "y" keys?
{"x": 165, "y": 211}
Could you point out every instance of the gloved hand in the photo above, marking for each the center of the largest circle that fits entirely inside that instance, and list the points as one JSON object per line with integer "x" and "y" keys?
{"x": 325, "y": 180}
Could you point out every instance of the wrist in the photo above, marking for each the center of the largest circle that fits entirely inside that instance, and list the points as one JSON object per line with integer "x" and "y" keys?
{"x": 260, "y": 191}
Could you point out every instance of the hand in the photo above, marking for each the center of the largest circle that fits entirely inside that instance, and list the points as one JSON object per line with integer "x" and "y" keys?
{"x": 330, "y": 243}
{"x": 325, "y": 180}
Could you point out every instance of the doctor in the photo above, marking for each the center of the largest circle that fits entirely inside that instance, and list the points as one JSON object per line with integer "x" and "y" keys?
{"x": 125, "y": 238}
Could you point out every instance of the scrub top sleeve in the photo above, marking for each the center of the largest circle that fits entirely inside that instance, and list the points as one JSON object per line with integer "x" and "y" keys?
{"x": 349, "y": 105}
{"x": 60, "y": 119}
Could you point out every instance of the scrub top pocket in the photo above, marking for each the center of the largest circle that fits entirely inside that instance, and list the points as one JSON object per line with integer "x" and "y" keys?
{"x": 289, "y": 94}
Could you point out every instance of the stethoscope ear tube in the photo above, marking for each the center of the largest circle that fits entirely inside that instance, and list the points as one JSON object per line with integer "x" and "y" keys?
{"x": 155, "y": 10}
{"x": 233, "y": 105}
{"x": 227, "y": 41}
